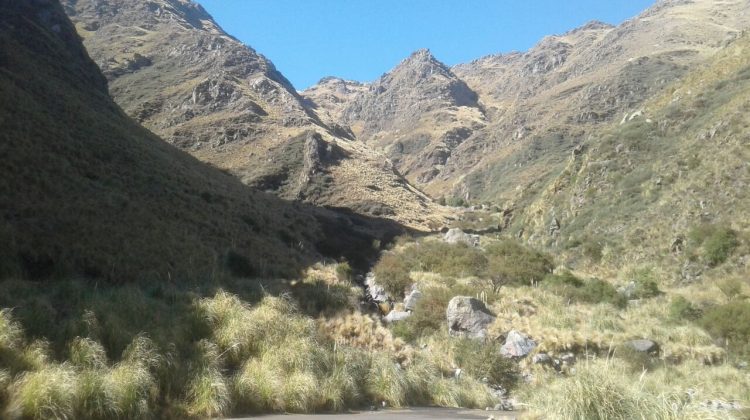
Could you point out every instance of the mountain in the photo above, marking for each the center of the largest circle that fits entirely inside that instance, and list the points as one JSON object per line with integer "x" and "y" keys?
{"x": 644, "y": 189}
{"x": 416, "y": 114}
{"x": 86, "y": 191}
{"x": 173, "y": 69}
{"x": 545, "y": 102}
{"x": 500, "y": 128}
{"x": 331, "y": 95}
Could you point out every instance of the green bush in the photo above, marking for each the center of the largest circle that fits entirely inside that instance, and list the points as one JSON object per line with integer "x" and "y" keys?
{"x": 682, "y": 309}
{"x": 645, "y": 284}
{"x": 452, "y": 260}
{"x": 394, "y": 274}
{"x": 483, "y": 360}
{"x": 719, "y": 246}
{"x": 731, "y": 287}
{"x": 717, "y": 242}
{"x": 510, "y": 263}
{"x": 428, "y": 316}
{"x": 730, "y": 322}
{"x": 590, "y": 291}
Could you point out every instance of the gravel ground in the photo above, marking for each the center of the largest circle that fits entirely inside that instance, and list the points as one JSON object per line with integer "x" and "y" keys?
{"x": 407, "y": 414}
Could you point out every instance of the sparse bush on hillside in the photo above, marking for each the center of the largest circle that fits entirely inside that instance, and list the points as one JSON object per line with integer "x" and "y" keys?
{"x": 731, "y": 287}
{"x": 645, "y": 284}
{"x": 716, "y": 242}
{"x": 393, "y": 273}
{"x": 452, "y": 260}
{"x": 510, "y": 263}
{"x": 682, "y": 309}
{"x": 591, "y": 291}
{"x": 484, "y": 361}
{"x": 730, "y": 322}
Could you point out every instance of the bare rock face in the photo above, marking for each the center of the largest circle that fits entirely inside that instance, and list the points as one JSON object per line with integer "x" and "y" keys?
{"x": 417, "y": 114}
{"x": 468, "y": 317}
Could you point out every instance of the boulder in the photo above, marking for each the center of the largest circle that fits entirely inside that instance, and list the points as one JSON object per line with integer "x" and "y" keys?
{"x": 517, "y": 345}
{"x": 375, "y": 291}
{"x": 643, "y": 346}
{"x": 468, "y": 317}
{"x": 455, "y": 236}
{"x": 395, "y": 316}
{"x": 410, "y": 302}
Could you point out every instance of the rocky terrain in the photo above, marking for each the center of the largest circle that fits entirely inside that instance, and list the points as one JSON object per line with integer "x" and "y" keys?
{"x": 416, "y": 114}
{"x": 174, "y": 70}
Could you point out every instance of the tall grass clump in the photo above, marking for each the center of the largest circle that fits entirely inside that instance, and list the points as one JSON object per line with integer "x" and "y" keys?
{"x": 603, "y": 390}
{"x": 207, "y": 393}
{"x": 49, "y": 393}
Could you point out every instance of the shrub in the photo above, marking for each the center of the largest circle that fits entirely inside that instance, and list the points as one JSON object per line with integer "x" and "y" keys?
{"x": 645, "y": 284}
{"x": 428, "y": 316}
{"x": 719, "y": 246}
{"x": 731, "y": 287}
{"x": 512, "y": 263}
{"x": 682, "y": 309}
{"x": 599, "y": 291}
{"x": 590, "y": 291}
{"x": 717, "y": 242}
{"x": 393, "y": 273}
{"x": 452, "y": 260}
{"x": 730, "y": 322}
{"x": 484, "y": 361}
{"x": 344, "y": 272}
{"x": 593, "y": 249}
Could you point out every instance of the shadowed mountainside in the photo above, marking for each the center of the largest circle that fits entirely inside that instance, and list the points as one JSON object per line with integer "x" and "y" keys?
{"x": 87, "y": 191}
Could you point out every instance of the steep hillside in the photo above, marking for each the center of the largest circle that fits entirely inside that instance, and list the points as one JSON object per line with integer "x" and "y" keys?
{"x": 544, "y": 102}
{"x": 417, "y": 114}
{"x": 173, "y": 69}
{"x": 501, "y": 127}
{"x": 87, "y": 191}
{"x": 645, "y": 188}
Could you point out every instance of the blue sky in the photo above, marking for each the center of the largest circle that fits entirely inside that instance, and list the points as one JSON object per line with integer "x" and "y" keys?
{"x": 362, "y": 39}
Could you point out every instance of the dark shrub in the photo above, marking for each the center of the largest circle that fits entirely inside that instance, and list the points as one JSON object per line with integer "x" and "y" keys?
{"x": 392, "y": 272}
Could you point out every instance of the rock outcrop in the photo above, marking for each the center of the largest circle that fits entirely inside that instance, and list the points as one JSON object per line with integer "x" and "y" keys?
{"x": 468, "y": 317}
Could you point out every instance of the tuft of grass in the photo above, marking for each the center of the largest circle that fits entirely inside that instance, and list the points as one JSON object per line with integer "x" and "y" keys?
{"x": 604, "y": 390}
{"x": 85, "y": 353}
{"x": 45, "y": 394}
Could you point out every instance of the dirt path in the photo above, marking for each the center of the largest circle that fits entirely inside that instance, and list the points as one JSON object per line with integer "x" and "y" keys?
{"x": 406, "y": 414}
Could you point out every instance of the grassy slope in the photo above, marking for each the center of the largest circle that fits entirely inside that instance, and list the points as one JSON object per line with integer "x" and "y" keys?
{"x": 641, "y": 185}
